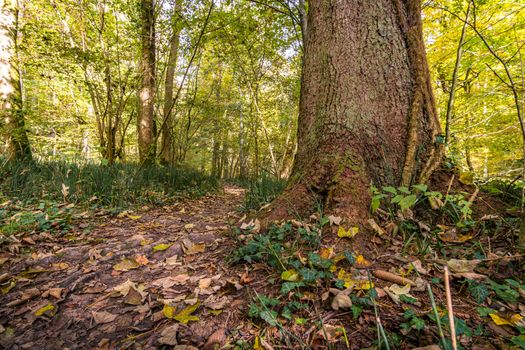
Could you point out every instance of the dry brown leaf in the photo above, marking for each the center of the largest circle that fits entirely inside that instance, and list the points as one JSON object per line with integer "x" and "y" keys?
{"x": 133, "y": 297}
{"x": 216, "y": 340}
{"x": 180, "y": 279}
{"x": 141, "y": 260}
{"x": 341, "y": 301}
{"x": 168, "y": 336}
{"x": 462, "y": 266}
{"x": 103, "y": 317}
{"x": 56, "y": 292}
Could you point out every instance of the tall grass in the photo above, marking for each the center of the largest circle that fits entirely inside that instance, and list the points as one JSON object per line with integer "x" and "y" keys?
{"x": 119, "y": 185}
{"x": 261, "y": 191}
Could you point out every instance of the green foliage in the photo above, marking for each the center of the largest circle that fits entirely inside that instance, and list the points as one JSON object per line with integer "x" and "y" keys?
{"x": 414, "y": 322}
{"x": 262, "y": 191}
{"x": 120, "y": 185}
{"x": 478, "y": 291}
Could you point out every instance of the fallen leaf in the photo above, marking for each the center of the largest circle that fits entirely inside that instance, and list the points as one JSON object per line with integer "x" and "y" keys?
{"x": 326, "y": 253}
{"x": 204, "y": 283}
{"x": 462, "y": 266}
{"x": 216, "y": 303}
{"x": 103, "y": 317}
{"x": 133, "y": 217}
{"x": 418, "y": 266}
{"x": 189, "y": 226}
{"x": 216, "y": 340}
{"x": 351, "y": 282}
{"x": 350, "y": 233}
{"x": 126, "y": 265}
{"x": 341, "y": 301}
{"x": 142, "y": 260}
{"x": 183, "y": 316}
{"x": 168, "y": 336}
{"x": 451, "y": 236}
{"x": 512, "y": 320}
{"x": 133, "y": 297}
{"x": 48, "y": 310}
{"x": 172, "y": 260}
{"x": 161, "y": 247}
{"x": 180, "y": 279}
{"x": 253, "y": 225}
{"x": 334, "y": 220}
{"x": 56, "y": 292}
{"x": 395, "y": 292}
{"x": 361, "y": 262}
{"x": 376, "y": 227}
{"x": 290, "y": 275}
{"x": 195, "y": 249}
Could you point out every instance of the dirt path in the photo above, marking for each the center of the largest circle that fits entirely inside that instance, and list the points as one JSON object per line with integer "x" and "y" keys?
{"x": 112, "y": 287}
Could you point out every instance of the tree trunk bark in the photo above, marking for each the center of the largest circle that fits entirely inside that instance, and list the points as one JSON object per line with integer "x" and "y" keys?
{"x": 367, "y": 113}
{"x": 11, "y": 85}
{"x": 147, "y": 88}
{"x": 166, "y": 131}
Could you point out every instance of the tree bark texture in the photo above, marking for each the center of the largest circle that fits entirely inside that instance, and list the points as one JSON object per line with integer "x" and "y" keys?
{"x": 147, "y": 87}
{"x": 367, "y": 114}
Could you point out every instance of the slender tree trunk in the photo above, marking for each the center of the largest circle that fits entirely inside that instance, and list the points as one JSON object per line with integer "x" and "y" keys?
{"x": 166, "y": 131}
{"x": 452, "y": 93}
{"x": 367, "y": 113}
{"x": 147, "y": 88}
{"x": 11, "y": 84}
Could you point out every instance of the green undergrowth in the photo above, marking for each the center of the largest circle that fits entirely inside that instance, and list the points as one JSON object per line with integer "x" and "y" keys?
{"x": 260, "y": 191}
{"x": 47, "y": 196}
{"x": 307, "y": 278}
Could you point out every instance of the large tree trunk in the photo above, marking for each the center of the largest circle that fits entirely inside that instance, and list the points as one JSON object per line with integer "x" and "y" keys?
{"x": 166, "y": 151}
{"x": 147, "y": 88}
{"x": 367, "y": 113}
{"x": 11, "y": 84}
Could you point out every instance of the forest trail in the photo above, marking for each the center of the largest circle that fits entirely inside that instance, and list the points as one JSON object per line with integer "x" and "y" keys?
{"x": 106, "y": 288}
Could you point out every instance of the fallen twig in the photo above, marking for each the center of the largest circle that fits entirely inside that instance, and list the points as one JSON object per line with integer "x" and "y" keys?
{"x": 391, "y": 277}
{"x": 450, "y": 311}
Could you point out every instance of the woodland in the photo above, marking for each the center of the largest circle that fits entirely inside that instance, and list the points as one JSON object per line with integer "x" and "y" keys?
{"x": 262, "y": 174}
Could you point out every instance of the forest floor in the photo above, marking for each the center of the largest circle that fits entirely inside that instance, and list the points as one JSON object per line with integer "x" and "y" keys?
{"x": 163, "y": 278}
{"x": 106, "y": 288}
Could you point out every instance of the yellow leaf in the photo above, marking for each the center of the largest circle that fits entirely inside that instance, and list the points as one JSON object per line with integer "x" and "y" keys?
{"x": 134, "y": 217}
{"x": 511, "y": 321}
{"x": 349, "y": 281}
{"x": 10, "y": 286}
{"x": 43, "y": 310}
{"x": 360, "y": 261}
{"x": 126, "y": 265}
{"x": 257, "y": 344}
{"x": 466, "y": 178}
{"x": 290, "y": 275}
{"x": 350, "y": 233}
{"x": 161, "y": 247}
{"x": 183, "y": 316}
{"x": 195, "y": 248}
{"x": 326, "y": 253}
{"x": 168, "y": 311}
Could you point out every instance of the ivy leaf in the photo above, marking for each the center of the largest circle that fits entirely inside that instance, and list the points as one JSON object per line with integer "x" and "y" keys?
{"x": 289, "y": 286}
{"x": 407, "y": 202}
{"x": 270, "y": 317}
{"x": 290, "y": 275}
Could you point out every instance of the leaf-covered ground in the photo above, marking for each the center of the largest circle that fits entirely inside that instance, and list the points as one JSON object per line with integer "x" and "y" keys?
{"x": 130, "y": 282}
{"x": 197, "y": 275}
